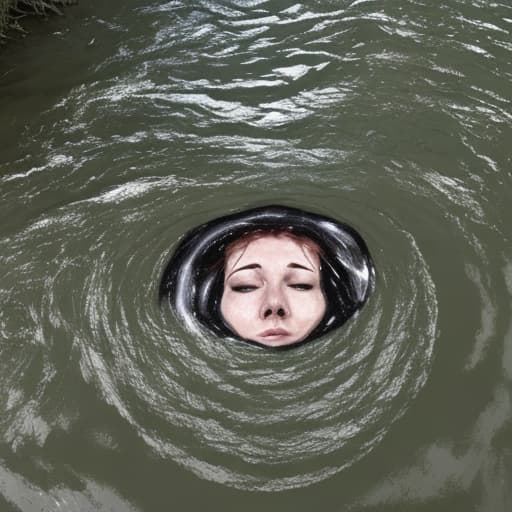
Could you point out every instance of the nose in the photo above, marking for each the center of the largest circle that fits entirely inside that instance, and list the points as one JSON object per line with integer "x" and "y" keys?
{"x": 274, "y": 311}
{"x": 274, "y": 305}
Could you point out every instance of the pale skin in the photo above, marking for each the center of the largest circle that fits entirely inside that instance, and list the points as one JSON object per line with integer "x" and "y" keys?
{"x": 272, "y": 292}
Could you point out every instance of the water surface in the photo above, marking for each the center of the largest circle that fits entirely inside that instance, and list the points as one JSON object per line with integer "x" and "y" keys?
{"x": 124, "y": 128}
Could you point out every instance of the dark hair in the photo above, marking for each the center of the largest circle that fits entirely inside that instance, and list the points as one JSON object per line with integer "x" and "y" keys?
{"x": 194, "y": 283}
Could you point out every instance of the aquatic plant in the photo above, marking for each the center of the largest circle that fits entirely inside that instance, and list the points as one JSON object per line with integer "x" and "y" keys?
{"x": 11, "y": 11}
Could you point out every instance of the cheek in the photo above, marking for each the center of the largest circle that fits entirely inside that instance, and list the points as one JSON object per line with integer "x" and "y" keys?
{"x": 309, "y": 309}
{"x": 239, "y": 309}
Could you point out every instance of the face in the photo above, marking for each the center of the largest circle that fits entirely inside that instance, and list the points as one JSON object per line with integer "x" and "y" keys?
{"x": 272, "y": 293}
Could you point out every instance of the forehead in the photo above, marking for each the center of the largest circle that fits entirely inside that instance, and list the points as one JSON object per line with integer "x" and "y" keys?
{"x": 275, "y": 249}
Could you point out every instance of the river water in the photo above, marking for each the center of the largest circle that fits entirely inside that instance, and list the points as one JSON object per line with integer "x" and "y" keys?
{"x": 124, "y": 127}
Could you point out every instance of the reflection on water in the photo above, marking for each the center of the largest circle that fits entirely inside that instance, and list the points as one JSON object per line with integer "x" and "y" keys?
{"x": 392, "y": 118}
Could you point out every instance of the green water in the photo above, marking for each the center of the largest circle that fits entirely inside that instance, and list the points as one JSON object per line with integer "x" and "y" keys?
{"x": 122, "y": 127}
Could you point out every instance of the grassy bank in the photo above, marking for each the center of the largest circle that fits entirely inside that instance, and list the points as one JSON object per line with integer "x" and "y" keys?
{"x": 13, "y": 11}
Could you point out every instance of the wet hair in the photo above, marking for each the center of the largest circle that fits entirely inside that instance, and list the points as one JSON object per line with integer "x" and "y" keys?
{"x": 193, "y": 280}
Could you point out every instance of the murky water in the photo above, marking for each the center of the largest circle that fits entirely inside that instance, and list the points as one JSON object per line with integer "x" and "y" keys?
{"x": 122, "y": 128}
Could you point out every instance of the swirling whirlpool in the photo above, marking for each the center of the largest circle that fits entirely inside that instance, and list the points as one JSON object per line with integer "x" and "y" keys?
{"x": 228, "y": 411}
{"x": 195, "y": 112}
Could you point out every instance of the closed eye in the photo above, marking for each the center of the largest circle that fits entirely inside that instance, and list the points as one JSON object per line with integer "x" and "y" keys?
{"x": 244, "y": 288}
{"x": 301, "y": 286}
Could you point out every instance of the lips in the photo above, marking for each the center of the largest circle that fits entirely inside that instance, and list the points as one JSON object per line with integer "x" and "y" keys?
{"x": 274, "y": 332}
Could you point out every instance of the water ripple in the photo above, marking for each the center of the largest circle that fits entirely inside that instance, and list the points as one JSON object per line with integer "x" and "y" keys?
{"x": 392, "y": 117}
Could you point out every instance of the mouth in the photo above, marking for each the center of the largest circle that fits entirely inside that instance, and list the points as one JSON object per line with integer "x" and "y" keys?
{"x": 274, "y": 333}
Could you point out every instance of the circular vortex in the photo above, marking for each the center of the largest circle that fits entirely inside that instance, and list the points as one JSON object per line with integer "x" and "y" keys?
{"x": 193, "y": 281}
{"x": 229, "y": 412}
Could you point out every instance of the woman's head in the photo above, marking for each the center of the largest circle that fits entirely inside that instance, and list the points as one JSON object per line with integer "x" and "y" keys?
{"x": 284, "y": 251}
{"x": 272, "y": 290}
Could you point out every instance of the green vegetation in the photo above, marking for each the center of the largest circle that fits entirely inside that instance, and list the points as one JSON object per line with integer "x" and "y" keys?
{"x": 11, "y": 11}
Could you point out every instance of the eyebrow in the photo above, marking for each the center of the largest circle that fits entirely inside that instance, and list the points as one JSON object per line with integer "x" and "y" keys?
{"x": 297, "y": 265}
{"x": 257, "y": 265}
{"x": 245, "y": 267}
